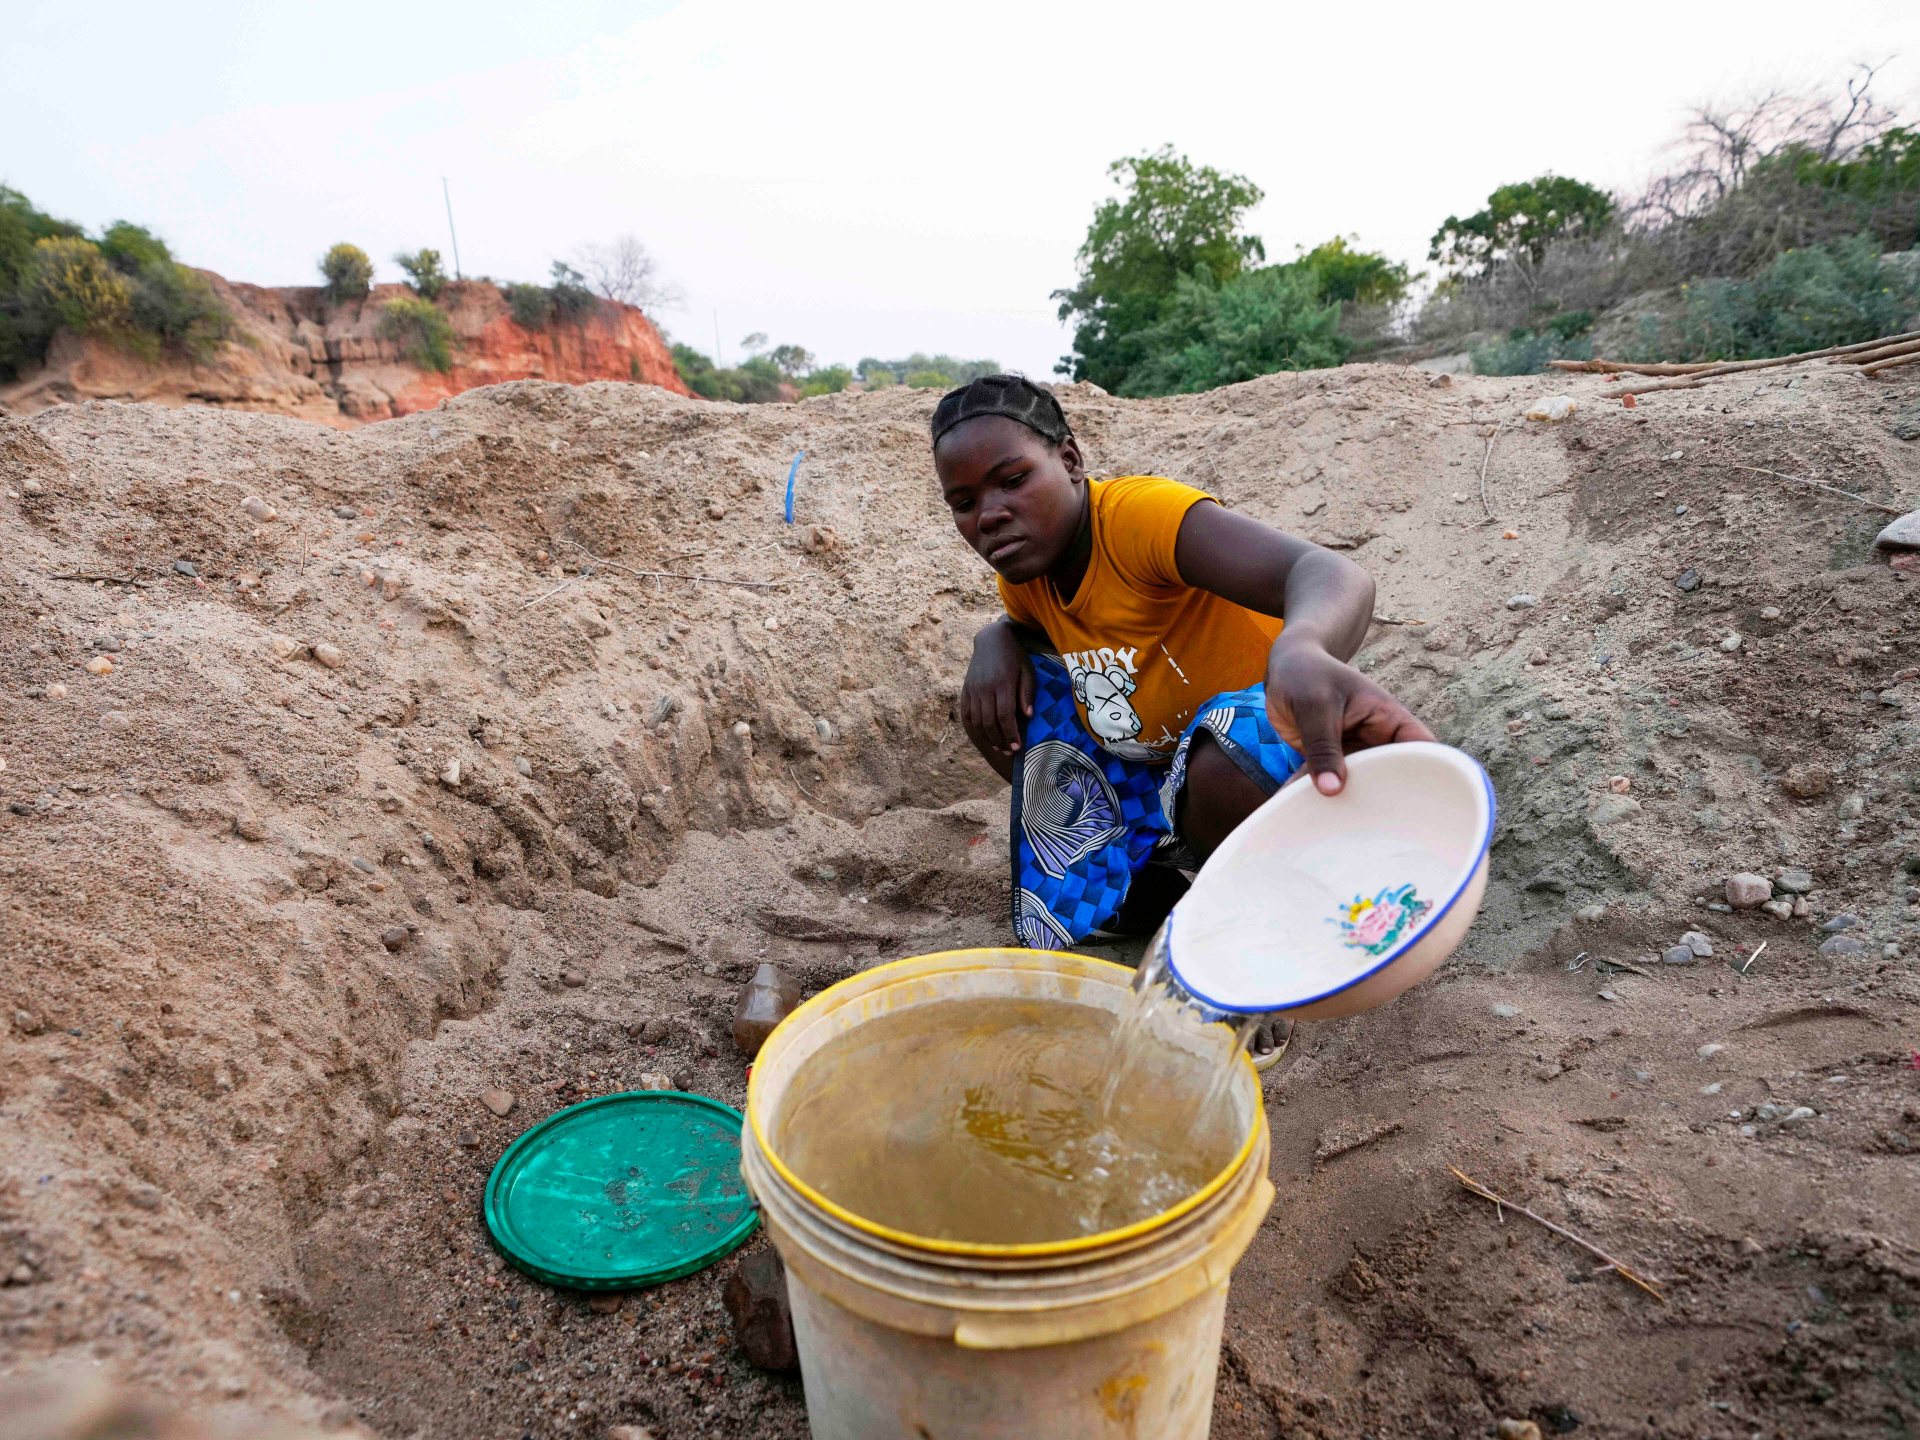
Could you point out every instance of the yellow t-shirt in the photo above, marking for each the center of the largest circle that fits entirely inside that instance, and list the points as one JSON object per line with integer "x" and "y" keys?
{"x": 1145, "y": 648}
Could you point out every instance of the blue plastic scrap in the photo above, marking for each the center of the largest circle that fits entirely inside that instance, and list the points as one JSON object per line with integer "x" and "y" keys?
{"x": 793, "y": 470}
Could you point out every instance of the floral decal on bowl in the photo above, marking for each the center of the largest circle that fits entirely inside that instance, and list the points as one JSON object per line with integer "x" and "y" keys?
{"x": 1376, "y": 925}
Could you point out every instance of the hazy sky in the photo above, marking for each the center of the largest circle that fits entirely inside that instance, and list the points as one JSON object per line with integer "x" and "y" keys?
{"x": 859, "y": 178}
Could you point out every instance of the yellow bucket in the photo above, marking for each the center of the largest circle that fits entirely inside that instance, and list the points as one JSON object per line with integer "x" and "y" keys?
{"x": 1108, "y": 1335}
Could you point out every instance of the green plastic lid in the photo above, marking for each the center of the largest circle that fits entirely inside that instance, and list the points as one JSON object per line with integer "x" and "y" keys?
{"x": 622, "y": 1191}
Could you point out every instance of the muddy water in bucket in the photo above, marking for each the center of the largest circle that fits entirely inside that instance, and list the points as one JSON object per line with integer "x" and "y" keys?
{"x": 1014, "y": 1121}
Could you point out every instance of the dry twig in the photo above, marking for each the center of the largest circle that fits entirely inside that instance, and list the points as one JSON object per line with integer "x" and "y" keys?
{"x": 1755, "y": 956}
{"x": 551, "y": 593}
{"x": 1486, "y": 460}
{"x": 110, "y": 579}
{"x": 1624, "y": 1271}
{"x": 1819, "y": 485}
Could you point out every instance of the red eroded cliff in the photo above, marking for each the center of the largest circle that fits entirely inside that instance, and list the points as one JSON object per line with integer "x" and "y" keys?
{"x": 295, "y": 353}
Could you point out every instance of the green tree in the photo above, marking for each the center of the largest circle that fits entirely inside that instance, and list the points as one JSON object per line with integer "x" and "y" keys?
{"x": 571, "y": 297}
{"x": 876, "y": 374}
{"x": 756, "y": 342}
{"x": 133, "y": 247}
{"x": 71, "y": 285}
{"x": 1518, "y": 224}
{"x": 1356, "y": 277}
{"x": 348, "y": 272}
{"x": 927, "y": 379}
{"x": 1172, "y": 220}
{"x": 424, "y": 272}
{"x": 829, "y": 380}
{"x": 532, "y": 305}
{"x": 793, "y": 361}
{"x": 1216, "y": 333}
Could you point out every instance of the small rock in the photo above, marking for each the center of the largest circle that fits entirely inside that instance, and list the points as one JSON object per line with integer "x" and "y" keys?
{"x": 1679, "y": 955}
{"x": 259, "y": 509}
{"x": 1688, "y": 581}
{"x": 1799, "y": 1115}
{"x": 1772, "y": 612}
{"x": 1890, "y": 951}
{"x": 1504, "y": 1011}
{"x": 630, "y": 1432}
{"x": 654, "y": 1031}
{"x": 1701, "y": 945}
{"x": 450, "y": 774}
{"x": 21, "y": 1274}
{"x": 716, "y": 511}
{"x": 1619, "y": 784}
{"x": 1590, "y": 914}
{"x": 606, "y": 1304}
{"x": 1522, "y": 601}
{"x": 345, "y": 512}
{"x": 1793, "y": 881}
{"x": 1902, "y": 534}
{"x": 99, "y": 665}
{"x": 1679, "y": 511}
{"x": 523, "y": 766}
{"x": 1842, "y": 921}
{"x": 1707, "y": 1052}
{"x": 1730, "y": 644}
{"x": 1714, "y": 1089}
{"x": 500, "y": 1102}
{"x": 1853, "y": 807}
{"x": 1746, "y": 891}
{"x": 1779, "y": 909}
{"x": 654, "y": 1080}
{"x": 466, "y": 1140}
{"x": 363, "y": 865}
{"x": 145, "y": 1197}
{"x": 329, "y": 655}
{"x": 1440, "y": 382}
{"x": 756, "y": 1299}
{"x": 742, "y": 730}
{"x": 1844, "y": 945}
{"x": 1801, "y": 909}
{"x": 1539, "y": 657}
{"x": 248, "y": 827}
{"x": 33, "y": 489}
{"x": 1609, "y": 995}
{"x": 572, "y": 979}
{"x": 284, "y": 647}
{"x": 111, "y": 643}
{"x": 56, "y": 691}
{"x": 116, "y": 720}
{"x": 186, "y": 568}
{"x": 1807, "y": 782}
{"x": 823, "y": 727}
{"x": 394, "y": 936}
{"x": 1516, "y": 1430}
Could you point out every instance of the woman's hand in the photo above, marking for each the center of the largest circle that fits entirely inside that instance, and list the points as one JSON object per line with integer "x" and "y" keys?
{"x": 1323, "y": 707}
{"x": 997, "y": 695}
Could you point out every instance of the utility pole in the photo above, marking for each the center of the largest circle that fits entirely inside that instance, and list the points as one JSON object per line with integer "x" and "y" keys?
{"x": 447, "y": 195}
{"x": 719, "y": 363}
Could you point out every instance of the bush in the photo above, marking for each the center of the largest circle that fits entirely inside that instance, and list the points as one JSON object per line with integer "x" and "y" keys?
{"x": 425, "y": 335}
{"x": 928, "y": 379}
{"x": 178, "y": 308}
{"x": 348, "y": 271}
{"x": 71, "y": 285}
{"x": 532, "y": 306}
{"x": 132, "y": 247}
{"x": 1255, "y": 324}
{"x": 570, "y": 297}
{"x": 423, "y": 272}
{"x": 1526, "y": 352}
{"x": 1805, "y": 300}
{"x": 828, "y": 380}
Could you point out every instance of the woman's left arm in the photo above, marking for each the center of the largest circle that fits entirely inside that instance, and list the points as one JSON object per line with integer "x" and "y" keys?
{"x": 1320, "y": 704}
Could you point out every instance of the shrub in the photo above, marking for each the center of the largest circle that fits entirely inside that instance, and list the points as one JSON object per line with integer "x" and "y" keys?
{"x": 425, "y": 335}
{"x": 532, "y": 306}
{"x": 22, "y": 225}
{"x": 348, "y": 271}
{"x": 928, "y": 379}
{"x": 424, "y": 272}
{"x": 132, "y": 247}
{"x": 1805, "y": 300}
{"x": 570, "y": 297}
{"x": 177, "y": 308}
{"x": 1255, "y": 324}
{"x": 1526, "y": 352}
{"x": 70, "y": 283}
{"x": 828, "y": 380}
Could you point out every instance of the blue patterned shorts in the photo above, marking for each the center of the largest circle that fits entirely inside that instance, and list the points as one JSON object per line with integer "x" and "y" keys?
{"x": 1085, "y": 821}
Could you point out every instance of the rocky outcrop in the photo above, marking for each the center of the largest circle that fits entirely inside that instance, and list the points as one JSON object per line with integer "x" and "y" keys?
{"x": 293, "y": 352}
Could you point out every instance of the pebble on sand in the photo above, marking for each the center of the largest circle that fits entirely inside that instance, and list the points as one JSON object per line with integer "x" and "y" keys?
{"x": 756, "y": 1299}
{"x": 284, "y": 647}
{"x": 1708, "y": 1051}
{"x": 259, "y": 509}
{"x": 1793, "y": 881}
{"x": 450, "y": 775}
{"x": 1516, "y": 1430}
{"x": 572, "y": 979}
{"x": 1679, "y": 955}
{"x": 1843, "y": 945}
{"x": 654, "y": 1080}
{"x": 1778, "y": 909}
{"x": 56, "y": 691}
{"x": 1619, "y": 784}
{"x": 1590, "y": 914}
{"x": 329, "y": 655}
{"x": 1522, "y": 601}
{"x": 1701, "y": 945}
{"x": 394, "y": 936}
{"x": 1730, "y": 644}
{"x": 1747, "y": 891}
{"x": 186, "y": 568}
{"x": 500, "y": 1102}
{"x": 100, "y": 665}
{"x": 248, "y": 827}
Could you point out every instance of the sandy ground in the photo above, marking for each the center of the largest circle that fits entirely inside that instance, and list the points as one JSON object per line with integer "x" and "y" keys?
{"x": 277, "y": 913}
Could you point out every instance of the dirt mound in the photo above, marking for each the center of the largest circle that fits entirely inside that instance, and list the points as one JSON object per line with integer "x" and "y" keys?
{"x": 526, "y": 728}
{"x": 293, "y": 352}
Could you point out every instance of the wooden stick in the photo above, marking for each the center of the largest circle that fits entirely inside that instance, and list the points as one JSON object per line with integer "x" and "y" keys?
{"x": 1831, "y": 489}
{"x": 1867, "y": 357}
{"x": 1724, "y": 367}
{"x": 110, "y": 579}
{"x": 1624, "y": 367}
{"x": 1876, "y": 368}
{"x": 1735, "y": 367}
{"x": 1486, "y": 460}
{"x": 551, "y": 593}
{"x": 1755, "y": 956}
{"x": 1625, "y": 1272}
{"x": 1623, "y": 965}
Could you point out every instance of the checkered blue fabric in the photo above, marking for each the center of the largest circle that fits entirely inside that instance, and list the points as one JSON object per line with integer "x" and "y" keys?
{"x": 1085, "y": 821}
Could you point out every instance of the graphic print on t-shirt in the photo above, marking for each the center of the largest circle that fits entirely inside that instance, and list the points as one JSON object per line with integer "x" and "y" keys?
{"x": 1102, "y": 682}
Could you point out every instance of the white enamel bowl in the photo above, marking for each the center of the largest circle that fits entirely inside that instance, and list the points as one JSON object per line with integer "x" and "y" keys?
{"x": 1321, "y": 906}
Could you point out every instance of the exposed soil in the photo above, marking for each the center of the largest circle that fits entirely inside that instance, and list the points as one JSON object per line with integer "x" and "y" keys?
{"x": 241, "y": 1139}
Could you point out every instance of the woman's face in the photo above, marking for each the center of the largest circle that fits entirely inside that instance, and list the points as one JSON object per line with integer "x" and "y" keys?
{"x": 1015, "y": 497}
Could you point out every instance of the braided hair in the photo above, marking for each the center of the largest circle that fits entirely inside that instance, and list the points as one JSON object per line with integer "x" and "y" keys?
{"x": 1013, "y": 396}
